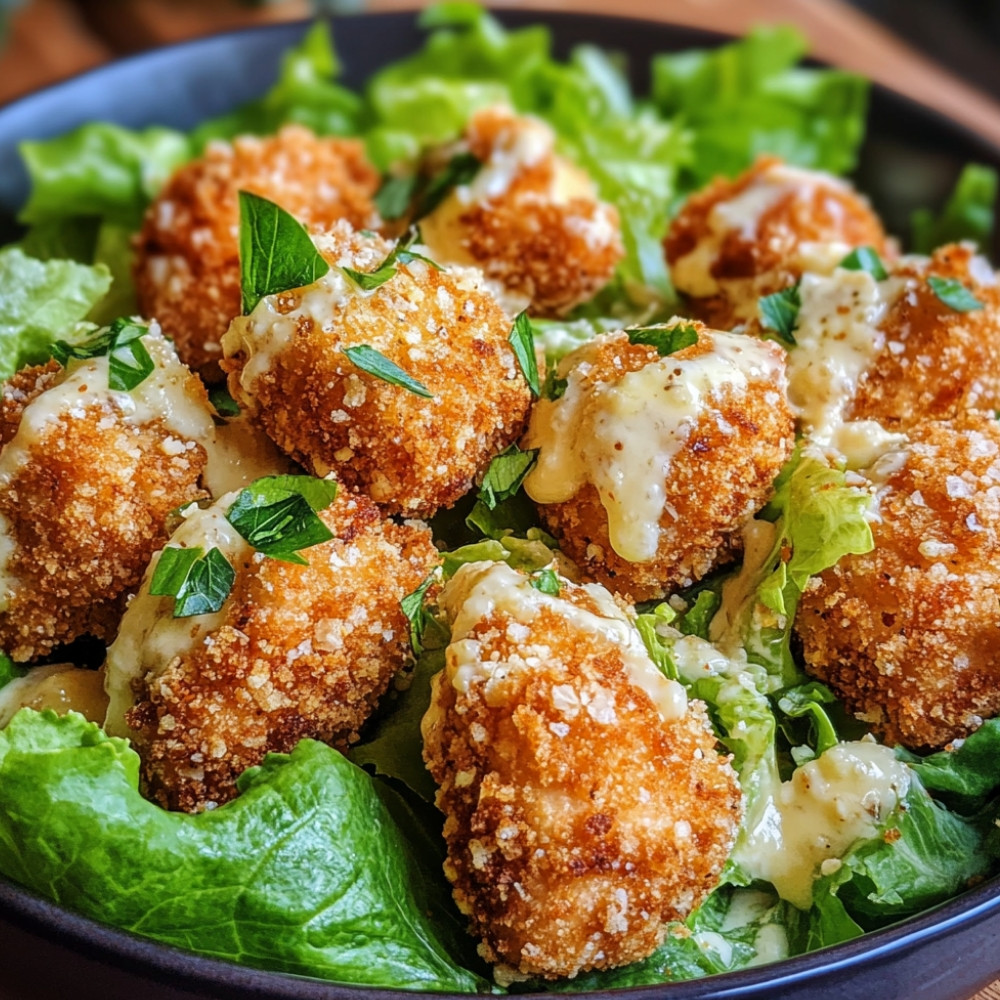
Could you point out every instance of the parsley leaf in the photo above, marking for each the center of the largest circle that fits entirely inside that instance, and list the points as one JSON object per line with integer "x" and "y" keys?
{"x": 954, "y": 294}
{"x": 393, "y": 197}
{"x": 129, "y": 362}
{"x": 547, "y": 581}
{"x": 223, "y": 402}
{"x": 413, "y": 607}
{"x": 376, "y": 363}
{"x": 522, "y": 340}
{"x": 276, "y": 251}
{"x": 506, "y": 473}
{"x": 462, "y": 169}
{"x": 198, "y": 581}
{"x": 400, "y": 254}
{"x": 780, "y": 312}
{"x": 666, "y": 339}
{"x": 277, "y": 515}
{"x": 554, "y": 387}
{"x": 865, "y": 259}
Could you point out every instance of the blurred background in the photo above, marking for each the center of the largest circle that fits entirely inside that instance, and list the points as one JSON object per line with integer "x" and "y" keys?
{"x": 944, "y": 53}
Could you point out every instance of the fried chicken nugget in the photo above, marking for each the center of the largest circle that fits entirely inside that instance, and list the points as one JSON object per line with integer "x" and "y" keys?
{"x": 88, "y": 475}
{"x": 530, "y": 219}
{"x": 649, "y": 465}
{"x": 738, "y": 240}
{"x": 187, "y": 268}
{"x": 908, "y": 633}
{"x": 585, "y": 801}
{"x": 412, "y": 454}
{"x": 296, "y": 651}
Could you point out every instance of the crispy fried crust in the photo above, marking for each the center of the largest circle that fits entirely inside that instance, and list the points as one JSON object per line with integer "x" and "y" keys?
{"x": 558, "y": 249}
{"x": 411, "y": 454}
{"x": 302, "y": 651}
{"x": 570, "y": 840}
{"x": 748, "y": 262}
{"x": 720, "y": 477}
{"x": 937, "y": 361}
{"x": 187, "y": 269}
{"x": 908, "y": 633}
{"x": 85, "y": 513}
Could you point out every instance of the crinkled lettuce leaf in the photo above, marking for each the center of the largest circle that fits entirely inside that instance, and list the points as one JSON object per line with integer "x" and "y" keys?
{"x": 42, "y": 302}
{"x": 305, "y": 872}
{"x": 968, "y": 214}
{"x": 748, "y": 98}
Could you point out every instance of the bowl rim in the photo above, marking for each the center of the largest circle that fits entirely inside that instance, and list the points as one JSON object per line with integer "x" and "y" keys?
{"x": 171, "y": 965}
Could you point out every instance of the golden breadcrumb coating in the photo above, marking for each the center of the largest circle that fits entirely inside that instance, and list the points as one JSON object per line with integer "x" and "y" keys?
{"x": 85, "y": 490}
{"x": 187, "y": 267}
{"x": 680, "y": 454}
{"x": 937, "y": 361}
{"x": 530, "y": 219}
{"x": 737, "y": 240}
{"x": 585, "y": 801}
{"x": 295, "y": 652}
{"x": 908, "y": 633}
{"x": 411, "y": 454}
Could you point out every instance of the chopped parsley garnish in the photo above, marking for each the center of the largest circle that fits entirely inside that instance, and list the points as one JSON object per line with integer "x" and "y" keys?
{"x": 506, "y": 473}
{"x": 554, "y": 387}
{"x": 376, "y": 363}
{"x": 462, "y": 169}
{"x": 276, "y": 251}
{"x": 954, "y": 294}
{"x": 865, "y": 259}
{"x": 780, "y": 312}
{"x": 666, "y": 339}
{"x": 129, "y": 362}
{"x": 277, "y": 515}
{"x": 198, "y": 581}
{"x": 547, "y": 581}
{"x": 223, "y": 402}
{"x": 413, "y": 607}
{"x": 522, "y": 340}
{"x": 400, "y": 254}
{"x": 394, "y": 196}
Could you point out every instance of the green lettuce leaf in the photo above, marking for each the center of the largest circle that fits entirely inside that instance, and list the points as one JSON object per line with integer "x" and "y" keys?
{"x": 968, "y": 213}
{"x": 305, "y": 872}
{"x": 43, "y": 300}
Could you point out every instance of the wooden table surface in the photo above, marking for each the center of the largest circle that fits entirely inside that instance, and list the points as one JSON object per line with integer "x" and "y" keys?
{"x": 49, "y": 40}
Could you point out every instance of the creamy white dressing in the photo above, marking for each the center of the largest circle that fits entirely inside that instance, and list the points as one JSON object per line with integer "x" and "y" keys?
{"x": 828, "y": 804}
{"x": 150, "y": 638}
{"x": 170, "y": 393}
{"x": 241, "y": 453}
{"x": 525, "y": 142}
{"x": 58, "y": 686}
{"x": 621, "y": 437}
{"x": 479, "y": 590}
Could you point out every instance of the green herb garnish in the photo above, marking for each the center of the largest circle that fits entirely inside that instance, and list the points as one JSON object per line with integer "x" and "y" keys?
{"x": 554, "y": 387}
{"x": 522, "y": 340}
{"x": 276, "y": 251}
{"x": 223, "y": 402}
{"x": 376, "y": 363}
{"x": 547, "y": 581}
{"x": 954, "y": 294}
{"x": 462, "y": 169}
{"x": 277, "y": 515}
{"x": 780, "y": 312}
{"x": 413, "y": 607}
{"x": 967, "y": 215}
{"x": 129, "y": 362}
{"x": 400, "y": 254}
{"x": 865, "y": 259}
{"x": 394, "y": 196}
{"x": 198, "y": 581}
{"x": 666, "y": 339}
{"x": 506, "y": 473}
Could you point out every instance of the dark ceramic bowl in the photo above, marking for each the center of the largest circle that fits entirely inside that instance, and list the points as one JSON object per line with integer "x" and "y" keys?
{"x": 911, "y": 159}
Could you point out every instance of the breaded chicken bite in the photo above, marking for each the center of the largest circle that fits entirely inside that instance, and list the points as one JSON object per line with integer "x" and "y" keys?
{"x": 738, "y": 240}
{"x": 187, "y": 267}
{"x": 295, "y": 651}
{"x": 649, "y": 465}
{"x": 88, "y": 475}
{"x": 415, "y": 448}
{"x": 529, "y": 218}
{"x": 586, "y": 804}
{"x": 908, "y": 633}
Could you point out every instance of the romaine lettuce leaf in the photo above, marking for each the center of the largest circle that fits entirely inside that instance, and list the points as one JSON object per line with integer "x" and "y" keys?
{"x": 305, "y": 872}
{"x": 968, "y": 213}
{"x": 42, "y": 301}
